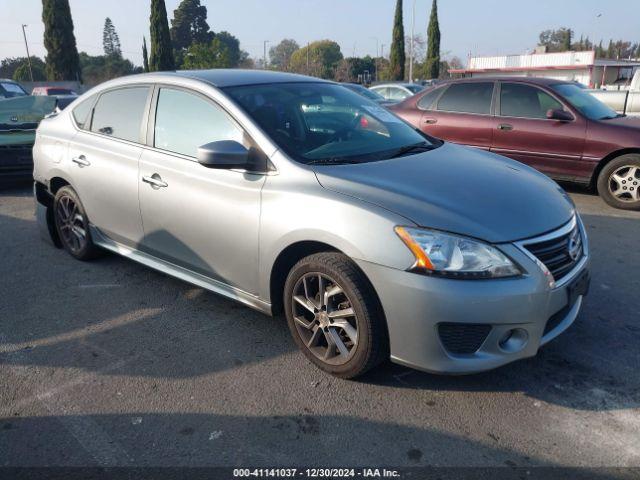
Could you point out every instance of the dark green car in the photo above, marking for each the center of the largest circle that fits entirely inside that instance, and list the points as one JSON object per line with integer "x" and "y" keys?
{"x": 20, "y": 114}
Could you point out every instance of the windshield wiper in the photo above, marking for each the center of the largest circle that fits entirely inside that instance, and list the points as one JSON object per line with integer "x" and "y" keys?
{"x": 413, "y": 148}
{"x": 331, "y": 161}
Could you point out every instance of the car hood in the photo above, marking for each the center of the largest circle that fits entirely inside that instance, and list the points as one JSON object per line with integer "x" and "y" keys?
{"x": 624, "y": 121}
{"x": 28, "y": 109}
{"x": 457, "y": 189}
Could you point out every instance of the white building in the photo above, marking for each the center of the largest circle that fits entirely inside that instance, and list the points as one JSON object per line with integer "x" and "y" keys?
{"x": 581, "y": 67}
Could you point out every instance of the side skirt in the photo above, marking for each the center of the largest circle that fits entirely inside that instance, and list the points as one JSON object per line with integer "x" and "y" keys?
{"x": 180, "y": 272}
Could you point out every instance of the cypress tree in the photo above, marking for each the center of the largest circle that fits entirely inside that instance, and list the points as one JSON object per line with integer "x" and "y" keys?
{"x": 145, "y": 55}
{"x": 432, "y": 62}
{"x": 397, "y": 57}
{"x": 63, "y": 62}
{"x": 566, "y": 43}
{"x": 161, "y": 51}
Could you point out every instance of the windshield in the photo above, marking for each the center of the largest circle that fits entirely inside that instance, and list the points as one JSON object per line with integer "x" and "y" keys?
{"x": 586, "y": 103}
{"x": 326, "y": 123}
{"x": 10, "y": 90}
{"x": 364, "y": 91}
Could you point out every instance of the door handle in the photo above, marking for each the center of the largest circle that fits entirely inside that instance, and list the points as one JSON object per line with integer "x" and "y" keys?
{"x": 430, "y": 121}
{"x": 81, "y": 161}
{"x": 505, "y": 126}
{"x": 155, "y": 181}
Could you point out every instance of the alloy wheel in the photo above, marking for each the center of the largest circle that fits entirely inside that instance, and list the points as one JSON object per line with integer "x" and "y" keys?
{"x": 624, "y": 183}
{"x": 324, "y": 318}
{"x": 71, "y": 224}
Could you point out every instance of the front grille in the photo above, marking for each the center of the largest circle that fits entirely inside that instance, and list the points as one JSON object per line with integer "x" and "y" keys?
{"x": 18, "y": 127}
{"x": 559, "y": 254}
{"x": 463, "y": 338}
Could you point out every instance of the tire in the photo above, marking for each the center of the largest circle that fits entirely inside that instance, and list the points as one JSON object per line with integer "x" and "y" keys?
{"x": 72, "y": 225}
{"x": 619, "y": 182}
{"x": 315, "y": 323}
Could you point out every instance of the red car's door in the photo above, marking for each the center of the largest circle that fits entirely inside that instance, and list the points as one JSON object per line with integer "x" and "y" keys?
{"x": 462, "y": 114}
{"x": 522, "y": 131}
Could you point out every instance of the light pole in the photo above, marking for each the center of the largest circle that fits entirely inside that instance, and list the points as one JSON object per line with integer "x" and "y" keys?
{"x": 264, "y": 54}
{"x": 27, "y": 47}
{"x": 413, "y": 26}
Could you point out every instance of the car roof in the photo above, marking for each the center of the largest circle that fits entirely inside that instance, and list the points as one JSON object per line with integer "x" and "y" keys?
{"x": 394, "y": 84}
{"x": 230, "y": 77}
{"x": 505, "y": 78}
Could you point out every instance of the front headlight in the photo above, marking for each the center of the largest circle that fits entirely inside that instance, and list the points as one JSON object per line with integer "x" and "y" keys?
{"x": 454, "y": 256}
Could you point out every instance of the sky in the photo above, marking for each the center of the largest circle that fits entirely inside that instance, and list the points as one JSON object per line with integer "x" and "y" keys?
{"x": 476, "y": 27}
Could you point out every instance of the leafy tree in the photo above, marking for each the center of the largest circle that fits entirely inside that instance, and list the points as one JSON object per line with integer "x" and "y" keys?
{"x": 8, "y": 66}
{"x": 161, "y": 51}
{"x": 145, "y": 55}
{"x": 222, "y": 52}
{"x": 397, "y": 56}
{"x": 189, "y": 25}
{"x": 110, "y": 39}
{"x": 354, "y": 68}
{"x": 62, "y": 59}
{"x": 22, "y": 74}
{"x": 432, "y": 62}
{"x": 280, "y": 54}
{"x": 318, "y": 59}
{"x": 100, "y": 68}
{"x": 556, "y": 40}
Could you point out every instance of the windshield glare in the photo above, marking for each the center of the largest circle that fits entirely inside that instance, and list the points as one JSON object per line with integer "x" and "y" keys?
{"x": 586, "y": 103}
{"x": 365, "y": 92}
{"x": 316, "y": 122}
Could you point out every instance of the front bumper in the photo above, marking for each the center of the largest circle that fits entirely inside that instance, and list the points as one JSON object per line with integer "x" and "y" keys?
{"x": 416, "y": 306}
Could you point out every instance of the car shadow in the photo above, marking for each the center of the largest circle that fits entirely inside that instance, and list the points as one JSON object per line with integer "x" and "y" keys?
{"x": 198, "y": 440}
{"x": 118, "y": 316}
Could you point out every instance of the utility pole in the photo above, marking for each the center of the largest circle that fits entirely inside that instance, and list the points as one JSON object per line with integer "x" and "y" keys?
{"x": 264, "y": 54}
{"x": 307, "y": 58}
{"x": 377, "y": 54}
{"x": 413, "y": 26}
{"x": 27, "y": 47}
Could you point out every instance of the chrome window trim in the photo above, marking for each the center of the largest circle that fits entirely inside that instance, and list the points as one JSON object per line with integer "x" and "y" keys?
{"x": 563, "y": 230}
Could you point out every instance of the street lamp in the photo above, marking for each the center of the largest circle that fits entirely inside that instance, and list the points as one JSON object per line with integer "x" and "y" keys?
{"x": 27, "y": 47}
{"x": 413, "y": 25}
{"x": 377, "y": 53}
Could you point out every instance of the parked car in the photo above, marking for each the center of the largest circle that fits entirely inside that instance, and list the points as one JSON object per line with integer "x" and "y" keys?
{"x": 19, "y": 117}
{"x": 56, "y": 91}
{"x": 375, "y": 240}
{"x": 11, "y": 89}
{"x": 370, "y": 94}
{"x": 554, "y": 126}
{"x": 396, "y": 92}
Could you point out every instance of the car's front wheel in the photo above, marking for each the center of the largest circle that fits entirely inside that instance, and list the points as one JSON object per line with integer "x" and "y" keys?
{"x": 619, "y": 182}
{"x": 334, "y": 315}
{"x": 72, "y": 225}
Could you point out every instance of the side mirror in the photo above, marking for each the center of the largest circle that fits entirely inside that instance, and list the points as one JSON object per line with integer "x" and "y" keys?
{"x": 559, "y": 114}
{"x": 226, "y": 154}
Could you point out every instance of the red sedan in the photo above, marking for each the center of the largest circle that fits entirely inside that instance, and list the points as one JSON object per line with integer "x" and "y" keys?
{"x": 552, "y": 125}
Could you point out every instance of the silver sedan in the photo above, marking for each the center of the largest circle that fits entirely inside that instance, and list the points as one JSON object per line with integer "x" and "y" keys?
{"x": 291, "y": 194}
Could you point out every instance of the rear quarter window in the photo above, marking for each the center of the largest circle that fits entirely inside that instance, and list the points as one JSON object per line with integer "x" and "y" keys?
{"x": 81, "y": 113}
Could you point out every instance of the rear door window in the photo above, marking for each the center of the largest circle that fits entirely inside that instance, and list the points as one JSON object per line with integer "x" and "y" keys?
{"x": 525, "y": 101}
{"x": 119, "y": 113}
{"x": 467, "y": 98}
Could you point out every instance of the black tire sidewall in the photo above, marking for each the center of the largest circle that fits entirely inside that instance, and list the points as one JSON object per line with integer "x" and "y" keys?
{"x": 358, "y": 363}
{"x": 88, "y": 250}
{"x": 603, "y": 181}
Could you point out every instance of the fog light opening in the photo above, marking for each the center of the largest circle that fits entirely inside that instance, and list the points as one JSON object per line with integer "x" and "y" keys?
{"x": 513, "y": 340}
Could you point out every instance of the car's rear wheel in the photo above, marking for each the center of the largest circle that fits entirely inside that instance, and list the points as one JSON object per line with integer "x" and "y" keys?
{"x": 72, "y": 225}
{"x": 619, "y": 182}
{"x": 334, "y": 315}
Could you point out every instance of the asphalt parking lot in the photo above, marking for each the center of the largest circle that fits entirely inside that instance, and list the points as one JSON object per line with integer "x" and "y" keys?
{"x": 110, "y": 363}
